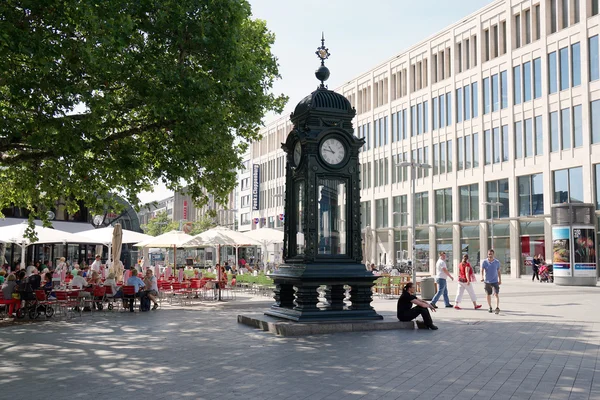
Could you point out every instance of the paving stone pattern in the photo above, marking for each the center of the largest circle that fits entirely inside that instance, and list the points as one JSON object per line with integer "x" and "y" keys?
{"x": 203, "y": 353}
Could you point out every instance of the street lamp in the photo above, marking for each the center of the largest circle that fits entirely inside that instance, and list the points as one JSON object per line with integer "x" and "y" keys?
{"x": 413, "y": 167}
{"x": 496, "y": 204}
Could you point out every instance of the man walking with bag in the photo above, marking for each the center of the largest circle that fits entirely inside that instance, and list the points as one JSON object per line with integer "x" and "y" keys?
{"x": 442, "y": 275}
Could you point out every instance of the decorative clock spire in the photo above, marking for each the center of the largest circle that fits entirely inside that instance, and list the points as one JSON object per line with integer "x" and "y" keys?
{"x": 322, "y": 73}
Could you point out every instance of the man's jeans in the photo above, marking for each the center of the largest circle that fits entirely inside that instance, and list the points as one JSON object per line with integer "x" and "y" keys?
{"x": 442, "y": 290}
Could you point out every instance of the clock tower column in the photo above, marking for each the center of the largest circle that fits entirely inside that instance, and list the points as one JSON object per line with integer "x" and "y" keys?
{"x": 322, "y": 278}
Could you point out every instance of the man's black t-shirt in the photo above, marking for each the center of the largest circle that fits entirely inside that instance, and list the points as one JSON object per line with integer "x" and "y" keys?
{"x": 404, "y": 302}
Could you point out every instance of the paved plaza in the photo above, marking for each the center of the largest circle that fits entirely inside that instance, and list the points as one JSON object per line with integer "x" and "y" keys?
{"x": 543, "y": 345}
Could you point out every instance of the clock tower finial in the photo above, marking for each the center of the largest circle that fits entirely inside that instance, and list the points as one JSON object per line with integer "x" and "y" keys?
{"x": 322, "y": 73}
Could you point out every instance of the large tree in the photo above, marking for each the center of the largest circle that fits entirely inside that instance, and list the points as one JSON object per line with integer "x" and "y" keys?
{"x": 116, "y": 95}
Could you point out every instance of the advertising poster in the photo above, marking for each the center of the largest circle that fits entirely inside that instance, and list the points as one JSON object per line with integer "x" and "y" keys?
{"x": 584, "y": 252}
{"x": 561, "y": 248}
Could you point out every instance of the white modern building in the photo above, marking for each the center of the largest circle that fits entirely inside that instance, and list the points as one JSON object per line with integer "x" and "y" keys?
{"x": 505, "y": 108}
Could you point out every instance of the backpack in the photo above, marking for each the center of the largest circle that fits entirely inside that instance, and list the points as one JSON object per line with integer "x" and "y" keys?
{"x": 144, "y": 303}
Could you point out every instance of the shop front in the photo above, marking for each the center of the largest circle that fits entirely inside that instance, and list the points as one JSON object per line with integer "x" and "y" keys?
{"x": 444, "y": 243}
{"x": 422, "y": 249}
{"x": 501, "y": 245}
{"x": 532, "y": 244}
{"x": 469, "y": 243}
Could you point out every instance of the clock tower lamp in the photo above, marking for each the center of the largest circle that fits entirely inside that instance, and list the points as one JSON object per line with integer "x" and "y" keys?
{"x": 322, "y": 278}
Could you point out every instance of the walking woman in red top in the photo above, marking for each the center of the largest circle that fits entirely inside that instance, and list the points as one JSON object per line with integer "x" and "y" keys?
{"x": 465, "y": 273}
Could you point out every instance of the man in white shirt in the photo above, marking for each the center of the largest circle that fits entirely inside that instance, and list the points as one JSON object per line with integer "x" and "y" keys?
{"x": 79, "y": 281}
{"x": 151, "y": 288}
{"x": 97, "y": 264}
{"x": 442, "y": 275}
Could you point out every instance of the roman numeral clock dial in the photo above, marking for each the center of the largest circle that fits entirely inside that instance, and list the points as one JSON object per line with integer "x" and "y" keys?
{"x": 332, "y": 151}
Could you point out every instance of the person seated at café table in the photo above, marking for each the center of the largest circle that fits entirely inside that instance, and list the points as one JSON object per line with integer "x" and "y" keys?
{"x": 151, "y": 288}
{"x": 8, "y": 288}
{"x": 112, "y": 283}
{"x": 86, "y": 272}
{"x": 137, "y": 283}
{"x": 47, "y": 283}
{"x": 95, "y": 279}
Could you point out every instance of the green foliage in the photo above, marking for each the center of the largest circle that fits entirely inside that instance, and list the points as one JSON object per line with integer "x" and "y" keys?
{"x": 160, "y": 224}
{"x": 205, "y": 223}
{"x": 117, "y": 95}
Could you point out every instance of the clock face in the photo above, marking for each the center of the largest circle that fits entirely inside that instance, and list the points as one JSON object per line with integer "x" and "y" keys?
{"x": 332, "y": 151}
{"x": 297, "y": 153}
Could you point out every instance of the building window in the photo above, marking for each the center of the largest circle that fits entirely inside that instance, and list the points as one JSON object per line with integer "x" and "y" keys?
{"x": 539, "y": 136}
{"x": 537, "y": 78}
{"x": 365, "y": 214}
{"x": 527, "y": 81}
{"x": 450, "y": 153}
{"x": 553, "y": 16}
{"x": 475, "y": 99}
{"x": 449, "y": 111}
{"x": 552, "y": 73}
{"x": 504, "y": 142}
{"x": 400, "y": 211}
{"x": 518, "y": 140}
{"x": 576, "y": 64}
{"x": 531, "y": 195}
{"x": 517, "y": 85}
{"x": 459, "y": 105}
{"x": 504, "y": 89}
{"x": 488, "y": 146}
{"x": 518, "y": 31}
{"x": 595, "y": 7}
{"x": 381, "y": 213}
{"x": 497, "y": 145}
{"x": 443, "y": 205}
{"x": 442, "y": 121}
{"x": 443, "y": 158}
{"x": 568, "y": 185}
{"x": 528, "y": 137}
{"x": 475, "y": 150}
{"x": 594, "y": 62}
{"x": 467, "y": 93}
{"x": 495, "y": 101}
{"x": 595, "y": 116}
{"x": 577, "y": 127}
{"x": 422, "y": 208}
{"x": 486, "y": 95}
{"x": 563, "y": 55}
{"x": 245, "y": 219}
{"x": 597, "y": 182}
{"x": 468, "y": 152}
{"x": 527, "y": 26}
{"x": 425, "y": 117}
{"x": 565, "y": 117}
{"x": 554, "y": 131}
{"x": 436, "y": 158}
{"x": 460, "y": 156}
{"x": 469, "y": 202}
{"x": 497, "y": 191}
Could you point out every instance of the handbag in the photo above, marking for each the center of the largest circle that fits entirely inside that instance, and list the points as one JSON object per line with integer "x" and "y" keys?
{"x": 463, "y": 280}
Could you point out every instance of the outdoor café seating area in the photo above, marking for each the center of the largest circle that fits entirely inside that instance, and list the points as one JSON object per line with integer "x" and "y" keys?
{"x": 66, "y": 301}
{"x": 387, "y": 286}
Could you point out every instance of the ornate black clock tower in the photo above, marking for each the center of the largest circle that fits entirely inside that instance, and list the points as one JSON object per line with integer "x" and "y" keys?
{"x": 322, "y": 243}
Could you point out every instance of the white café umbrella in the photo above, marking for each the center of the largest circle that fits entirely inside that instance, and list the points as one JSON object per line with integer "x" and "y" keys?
{"x": 266, "y": 236}
{"x": 221, "y": 236}
{"x": 16, "y": 234}
{"x": 171, "y": 239}
{"x": 105, "y": 236}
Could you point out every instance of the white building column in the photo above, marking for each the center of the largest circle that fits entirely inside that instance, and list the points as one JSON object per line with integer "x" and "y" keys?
{"x": 456, "y": 248}
{"x": 433, "y": 256}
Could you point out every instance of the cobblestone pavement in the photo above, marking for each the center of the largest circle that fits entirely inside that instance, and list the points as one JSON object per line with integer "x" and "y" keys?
{"x": 544, "y": 345}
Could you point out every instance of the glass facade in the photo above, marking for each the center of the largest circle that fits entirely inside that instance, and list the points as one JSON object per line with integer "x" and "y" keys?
{"x": 554, "y": 131}
{"x": 486, "y": 95}
{"x": 568, "y": 185}
{"x": 497, "y": 191}
{"x": 552, "y": 73}
{"x": 421, "y": 208}
{"x": 444, "y": 243}
{"x": 422, "y": 249}
{"x": 381, "y": 213}
{"x": 504, "y": 89}
{"x": 332, "y": 216}
{"x": 532, "y": 243}
{"x": 469, "y": 202}
{"x": 563, "y": 55}
{"x": 528, "y": 137}
{"x": 537, "y": 78}
{"x": 577, "y": 127}
{"x": 565, "y": 116}
{"x": 443, "y": 205}
{"x": 517, "y": 86}
{"x": 594, "y": 60}
{"x": 595, "y": 124}
{"x": 469, "y": 244}
{"x": 539, "y": 136}
{"x": 399, "y": 211}
{"x": 531, "y": 195}
{"x": 527, "y": 81}
{"x": 518, "y": 140}
{"x": 501, "y": 244}
{"x": 575, "y": 64}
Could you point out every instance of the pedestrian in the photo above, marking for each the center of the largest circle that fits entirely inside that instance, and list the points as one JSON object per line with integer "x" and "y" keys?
{"x": 406, "y": 311}
{"x": 442, "y": 275}
{"x": 465, "y": 278}
{"x": 537, "y": 260}
{"x": 490, "y": 268}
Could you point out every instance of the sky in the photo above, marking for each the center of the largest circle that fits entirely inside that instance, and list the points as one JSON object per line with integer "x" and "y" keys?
{"x": 359, "y": 34}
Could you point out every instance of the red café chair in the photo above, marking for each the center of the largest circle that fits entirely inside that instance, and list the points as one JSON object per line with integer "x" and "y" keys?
{"x": 109, "y": 297}
{"x": 67, "y": 303}
{"x": 129, "y": 294}
{"x": 42, "y": 301}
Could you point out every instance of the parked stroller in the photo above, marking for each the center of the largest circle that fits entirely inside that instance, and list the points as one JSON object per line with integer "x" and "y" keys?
{"x": 546, "y": 273}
